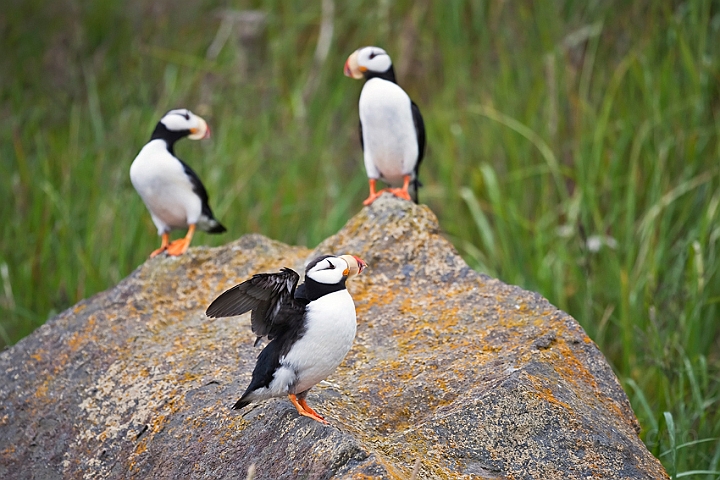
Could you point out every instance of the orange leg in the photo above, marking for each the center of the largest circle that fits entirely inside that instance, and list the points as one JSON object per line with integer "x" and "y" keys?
{"x": 163, "y": 245}
{"x": 307, "y": 408}
{"x": 373, "y": 194}
{"x": 180, "y": 246}
{"x": 304, "y": 410}
{"x": 402, "y": 192}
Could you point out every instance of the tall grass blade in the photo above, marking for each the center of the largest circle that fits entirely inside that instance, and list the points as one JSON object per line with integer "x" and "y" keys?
{"x": 670, "y": 424}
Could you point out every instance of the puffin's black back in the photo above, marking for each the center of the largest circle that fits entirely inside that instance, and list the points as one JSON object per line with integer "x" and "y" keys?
{"x": 200, "y": 191}
{"x": 420, "y": 131}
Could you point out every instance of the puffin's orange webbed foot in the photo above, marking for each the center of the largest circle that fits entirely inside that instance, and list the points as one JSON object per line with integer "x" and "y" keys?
{"x": 178, "y": 247}
{"x": 373, "y": 194}
{"x": 163, "y": 245}
{"x": 304, "y": 409}
{"x": 403, "y": 191}
{"x": 157, "y": 252}
{"x": 181, "y": 245}
{"x": 307, "y": 408}
{"x": 372, "y": 197}
{"x": 400, "y": 193}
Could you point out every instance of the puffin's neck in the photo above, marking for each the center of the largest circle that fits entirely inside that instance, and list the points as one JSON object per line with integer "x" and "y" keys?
{"x": 315, "y": 290}
{"x": 388, "y": 75}
{"x": 161, "y": 132}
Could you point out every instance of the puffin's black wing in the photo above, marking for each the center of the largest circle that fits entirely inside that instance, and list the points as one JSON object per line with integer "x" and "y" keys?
{"x": 420, "y": 131}
{"x": 362, "y": 142}
{"x": 200, "y": 191}
{"x": 270, "y": 296}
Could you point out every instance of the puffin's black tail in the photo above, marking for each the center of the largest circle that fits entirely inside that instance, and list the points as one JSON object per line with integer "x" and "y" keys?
{"x": 217, "y": 227}
{"x": 209, "y": 224}
{"x": 240, "y": 404}
{"x": 416, "y": 188}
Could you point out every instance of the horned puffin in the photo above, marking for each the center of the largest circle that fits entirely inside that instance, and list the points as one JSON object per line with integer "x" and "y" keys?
{"x": 311, "y": 328}
{"x": 171, "y": 190}
{"x": 392, "y": 131}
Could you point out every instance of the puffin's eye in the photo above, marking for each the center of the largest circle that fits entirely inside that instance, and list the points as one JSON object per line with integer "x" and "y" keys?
{"x": 331, "y": 267}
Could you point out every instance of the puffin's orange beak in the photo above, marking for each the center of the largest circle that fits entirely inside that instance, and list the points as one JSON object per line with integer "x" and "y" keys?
{"x": 361, "y": 264}
{"x": 355, "y": 265}
{"x": 352, "y": 69}
{"x": 201, "y": 131}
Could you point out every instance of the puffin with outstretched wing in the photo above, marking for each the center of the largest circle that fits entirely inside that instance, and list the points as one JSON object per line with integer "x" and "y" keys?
{"x": 311, "y": 327}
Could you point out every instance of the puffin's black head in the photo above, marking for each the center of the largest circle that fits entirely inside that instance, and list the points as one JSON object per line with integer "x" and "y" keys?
{"x": 180, "y": 123}
{"x": 370, "y": 62}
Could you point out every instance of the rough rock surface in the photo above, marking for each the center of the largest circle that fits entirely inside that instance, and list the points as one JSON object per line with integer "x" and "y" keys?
{"x": 472, "y": 377}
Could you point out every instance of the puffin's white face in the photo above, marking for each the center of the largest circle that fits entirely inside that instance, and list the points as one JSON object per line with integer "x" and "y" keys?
{"x": 182, "y": 119}
{"x": 332, "y": 270}
{"x": 373, "y": 59}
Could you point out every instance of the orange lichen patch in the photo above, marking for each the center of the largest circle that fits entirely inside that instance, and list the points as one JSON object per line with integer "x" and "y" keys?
{"x": 571, "y": 368}
{"x": 565, "y": 362}
{"x": 81, "y": 337}
{"x": 490, "y": 348}
{"x": 190, "y": 377}
{"x": 365, "y": 299}
{"x": 140, "y": 449}
{"x": 541, "y": 320}
{"x": 425, "y": 324}
{"x": 544, "y": 392}
{"x": 408, "y": 306}
{"x": 79, "y": 308}
{"x": 42, "y": 390}
{"x": 362, "y": 476}
{"x": 8, "y": 451}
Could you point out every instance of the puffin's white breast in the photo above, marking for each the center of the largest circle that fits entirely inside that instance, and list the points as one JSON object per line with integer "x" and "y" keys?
{"x": 162, "y": 183}
{"x": 330, "y": 331}
{"x": 389, "y": 136}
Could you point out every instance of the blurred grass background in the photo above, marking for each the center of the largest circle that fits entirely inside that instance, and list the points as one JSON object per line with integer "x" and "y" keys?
{"x": 573, "y": 150}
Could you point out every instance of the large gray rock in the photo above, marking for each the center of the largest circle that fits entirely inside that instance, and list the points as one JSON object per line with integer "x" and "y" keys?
{"x": 472, "y": 377}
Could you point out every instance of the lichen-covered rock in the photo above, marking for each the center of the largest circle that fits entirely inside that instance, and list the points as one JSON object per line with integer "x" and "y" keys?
{"x": 472, "y": 377}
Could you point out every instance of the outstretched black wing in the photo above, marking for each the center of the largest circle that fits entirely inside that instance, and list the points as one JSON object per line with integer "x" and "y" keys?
{"x": 420, "y": 131}
{"x": 270, "y": 296}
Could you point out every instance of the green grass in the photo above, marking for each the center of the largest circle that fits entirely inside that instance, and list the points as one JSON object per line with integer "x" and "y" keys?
{"x": 573, "y": 150}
